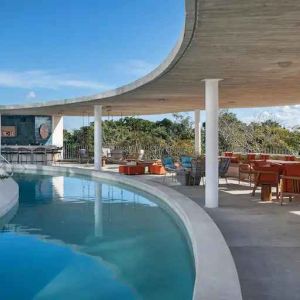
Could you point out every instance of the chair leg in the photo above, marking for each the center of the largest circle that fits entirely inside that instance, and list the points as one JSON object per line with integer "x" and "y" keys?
{"x": 226, "y": 180}
{"x": 253, "y": 190}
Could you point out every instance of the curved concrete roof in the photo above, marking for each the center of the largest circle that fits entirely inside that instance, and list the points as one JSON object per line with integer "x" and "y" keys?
{"x": 253, "y": 46}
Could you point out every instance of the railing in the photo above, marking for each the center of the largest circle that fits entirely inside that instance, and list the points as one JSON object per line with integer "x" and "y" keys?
{"x": 268, "y": 150}
{"x": 71, "y": 151}
{"x": 6, "y": 169}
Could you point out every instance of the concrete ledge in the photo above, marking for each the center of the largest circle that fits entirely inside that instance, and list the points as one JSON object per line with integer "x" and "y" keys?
{"x": 9, "y": 199}
{"x": 216, "y": 274}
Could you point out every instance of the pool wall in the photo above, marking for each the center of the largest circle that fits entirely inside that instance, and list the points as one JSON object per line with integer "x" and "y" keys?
{"x": 9, "y": 199}
{"x": 216, "y": 274}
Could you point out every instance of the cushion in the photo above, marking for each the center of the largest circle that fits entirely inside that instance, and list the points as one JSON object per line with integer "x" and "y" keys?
{"x": 251, "y": 156}
{"x": 228, "y": 154}
{"x": 186, "y": 161}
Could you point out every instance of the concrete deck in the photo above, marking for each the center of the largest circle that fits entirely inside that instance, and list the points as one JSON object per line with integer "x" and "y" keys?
{"x": 264, "y": 239}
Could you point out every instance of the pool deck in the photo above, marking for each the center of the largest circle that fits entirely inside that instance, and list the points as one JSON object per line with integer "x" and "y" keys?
{"x": 264, "y": 238}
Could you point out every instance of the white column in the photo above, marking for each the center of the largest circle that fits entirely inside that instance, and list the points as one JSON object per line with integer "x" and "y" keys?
{"x": 197, "y": 132}
{"x": 58, "y": 132}
{"x": 98, "y": 137}
{"x": 98, "y": 210}
{"x": 212, "y": 143}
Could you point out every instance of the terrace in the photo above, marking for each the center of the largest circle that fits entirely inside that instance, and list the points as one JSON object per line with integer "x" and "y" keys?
{"x": 201, "y": 73}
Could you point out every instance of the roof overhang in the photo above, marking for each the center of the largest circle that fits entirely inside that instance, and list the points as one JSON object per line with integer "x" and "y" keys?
{"x": 253, "y": 46}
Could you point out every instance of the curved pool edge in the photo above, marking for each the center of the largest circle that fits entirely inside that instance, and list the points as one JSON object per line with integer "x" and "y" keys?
{"x": 9, "y": 199}
{"x": 216, "y": 274}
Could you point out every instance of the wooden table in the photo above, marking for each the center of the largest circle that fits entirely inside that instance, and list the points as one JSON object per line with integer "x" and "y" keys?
{"x": 266, "y": 192}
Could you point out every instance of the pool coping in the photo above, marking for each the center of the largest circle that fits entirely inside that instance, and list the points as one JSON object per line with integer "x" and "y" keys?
{"x": 9, "y": 199}
{"x": 216, "y": 274}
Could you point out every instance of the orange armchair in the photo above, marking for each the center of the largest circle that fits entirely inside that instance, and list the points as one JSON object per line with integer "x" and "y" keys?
{"x": 290, "y": 182}
{"x": 269, "y": 175}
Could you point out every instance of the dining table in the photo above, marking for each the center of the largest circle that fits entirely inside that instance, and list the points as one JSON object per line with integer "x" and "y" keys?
{"x": 266, "y": 190}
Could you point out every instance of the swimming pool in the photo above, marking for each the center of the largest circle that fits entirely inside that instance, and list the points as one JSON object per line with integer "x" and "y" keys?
{"x": 74, "y": 238}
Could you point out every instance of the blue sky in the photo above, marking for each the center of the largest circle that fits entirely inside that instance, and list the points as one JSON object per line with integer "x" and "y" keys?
{"x": 54, "y": 49}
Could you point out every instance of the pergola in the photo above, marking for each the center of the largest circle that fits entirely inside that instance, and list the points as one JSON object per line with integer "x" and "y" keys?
{"x": 252, "y": 47}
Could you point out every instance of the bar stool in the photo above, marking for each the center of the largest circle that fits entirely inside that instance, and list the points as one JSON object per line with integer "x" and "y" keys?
{"x": 5, "y": 153}
{"x": 12, "y": 155}
{"x": 50, "y": 153}
{"x": 40, "y": 155}
{"x": 24, "y": 155}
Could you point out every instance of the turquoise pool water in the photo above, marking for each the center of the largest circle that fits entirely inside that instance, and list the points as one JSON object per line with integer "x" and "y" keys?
{"x": 74, "y": 238}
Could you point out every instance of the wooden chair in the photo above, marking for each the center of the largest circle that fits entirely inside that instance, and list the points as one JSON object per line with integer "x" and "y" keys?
{"x": 197, "y": 172}
{"x": 224, "y": 164}
{"x": 246, "y": 169}
{"x": 267, "y": 175}
{"x": 290, "y": 182}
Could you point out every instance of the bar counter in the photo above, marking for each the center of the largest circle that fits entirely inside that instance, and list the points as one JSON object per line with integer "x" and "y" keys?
{"x": 31, "y": 154}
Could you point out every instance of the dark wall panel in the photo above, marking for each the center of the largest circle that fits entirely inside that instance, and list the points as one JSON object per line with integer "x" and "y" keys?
{"x": 27, "y": 130}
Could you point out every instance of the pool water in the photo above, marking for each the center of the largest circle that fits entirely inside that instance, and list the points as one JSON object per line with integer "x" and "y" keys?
{"x": 74, "y": 238}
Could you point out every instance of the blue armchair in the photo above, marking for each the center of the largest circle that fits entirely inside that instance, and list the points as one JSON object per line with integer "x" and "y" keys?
{"x": 186, "y": 161}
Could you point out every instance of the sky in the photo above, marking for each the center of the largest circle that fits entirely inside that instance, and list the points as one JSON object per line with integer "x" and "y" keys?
{"x": 54, "y": 49}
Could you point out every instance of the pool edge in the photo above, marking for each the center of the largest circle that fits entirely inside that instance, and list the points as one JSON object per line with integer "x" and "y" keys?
{"x": 9, "y": 199}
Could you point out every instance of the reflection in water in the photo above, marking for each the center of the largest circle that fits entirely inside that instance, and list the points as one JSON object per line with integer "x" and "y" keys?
{"x": 98, "y": 210}
{"x": 105, "y": 241}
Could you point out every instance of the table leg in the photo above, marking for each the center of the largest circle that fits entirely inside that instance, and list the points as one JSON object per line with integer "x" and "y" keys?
{"x": 266, "y": 192}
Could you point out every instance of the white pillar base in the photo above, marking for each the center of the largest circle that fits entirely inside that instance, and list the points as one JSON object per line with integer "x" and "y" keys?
{"x": 212, "y": 143}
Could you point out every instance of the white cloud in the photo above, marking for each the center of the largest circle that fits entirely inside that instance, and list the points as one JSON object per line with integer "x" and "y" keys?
{"x": 287, "y": 115}
{"x": 31, "y": 95}
{"x": 135, "y": 67}
{"x": 45, "y": 79}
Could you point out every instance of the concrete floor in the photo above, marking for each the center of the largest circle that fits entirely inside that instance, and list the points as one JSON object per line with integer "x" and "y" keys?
{"x": 264, "y": 238}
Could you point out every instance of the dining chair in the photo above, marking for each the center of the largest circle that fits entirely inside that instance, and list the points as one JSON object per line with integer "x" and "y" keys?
{"x": 267, "y": 175}
{"x": 290, "y": 182}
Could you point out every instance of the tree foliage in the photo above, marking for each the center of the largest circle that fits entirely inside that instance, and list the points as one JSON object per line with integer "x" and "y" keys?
{"x": 177, "y": 136}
